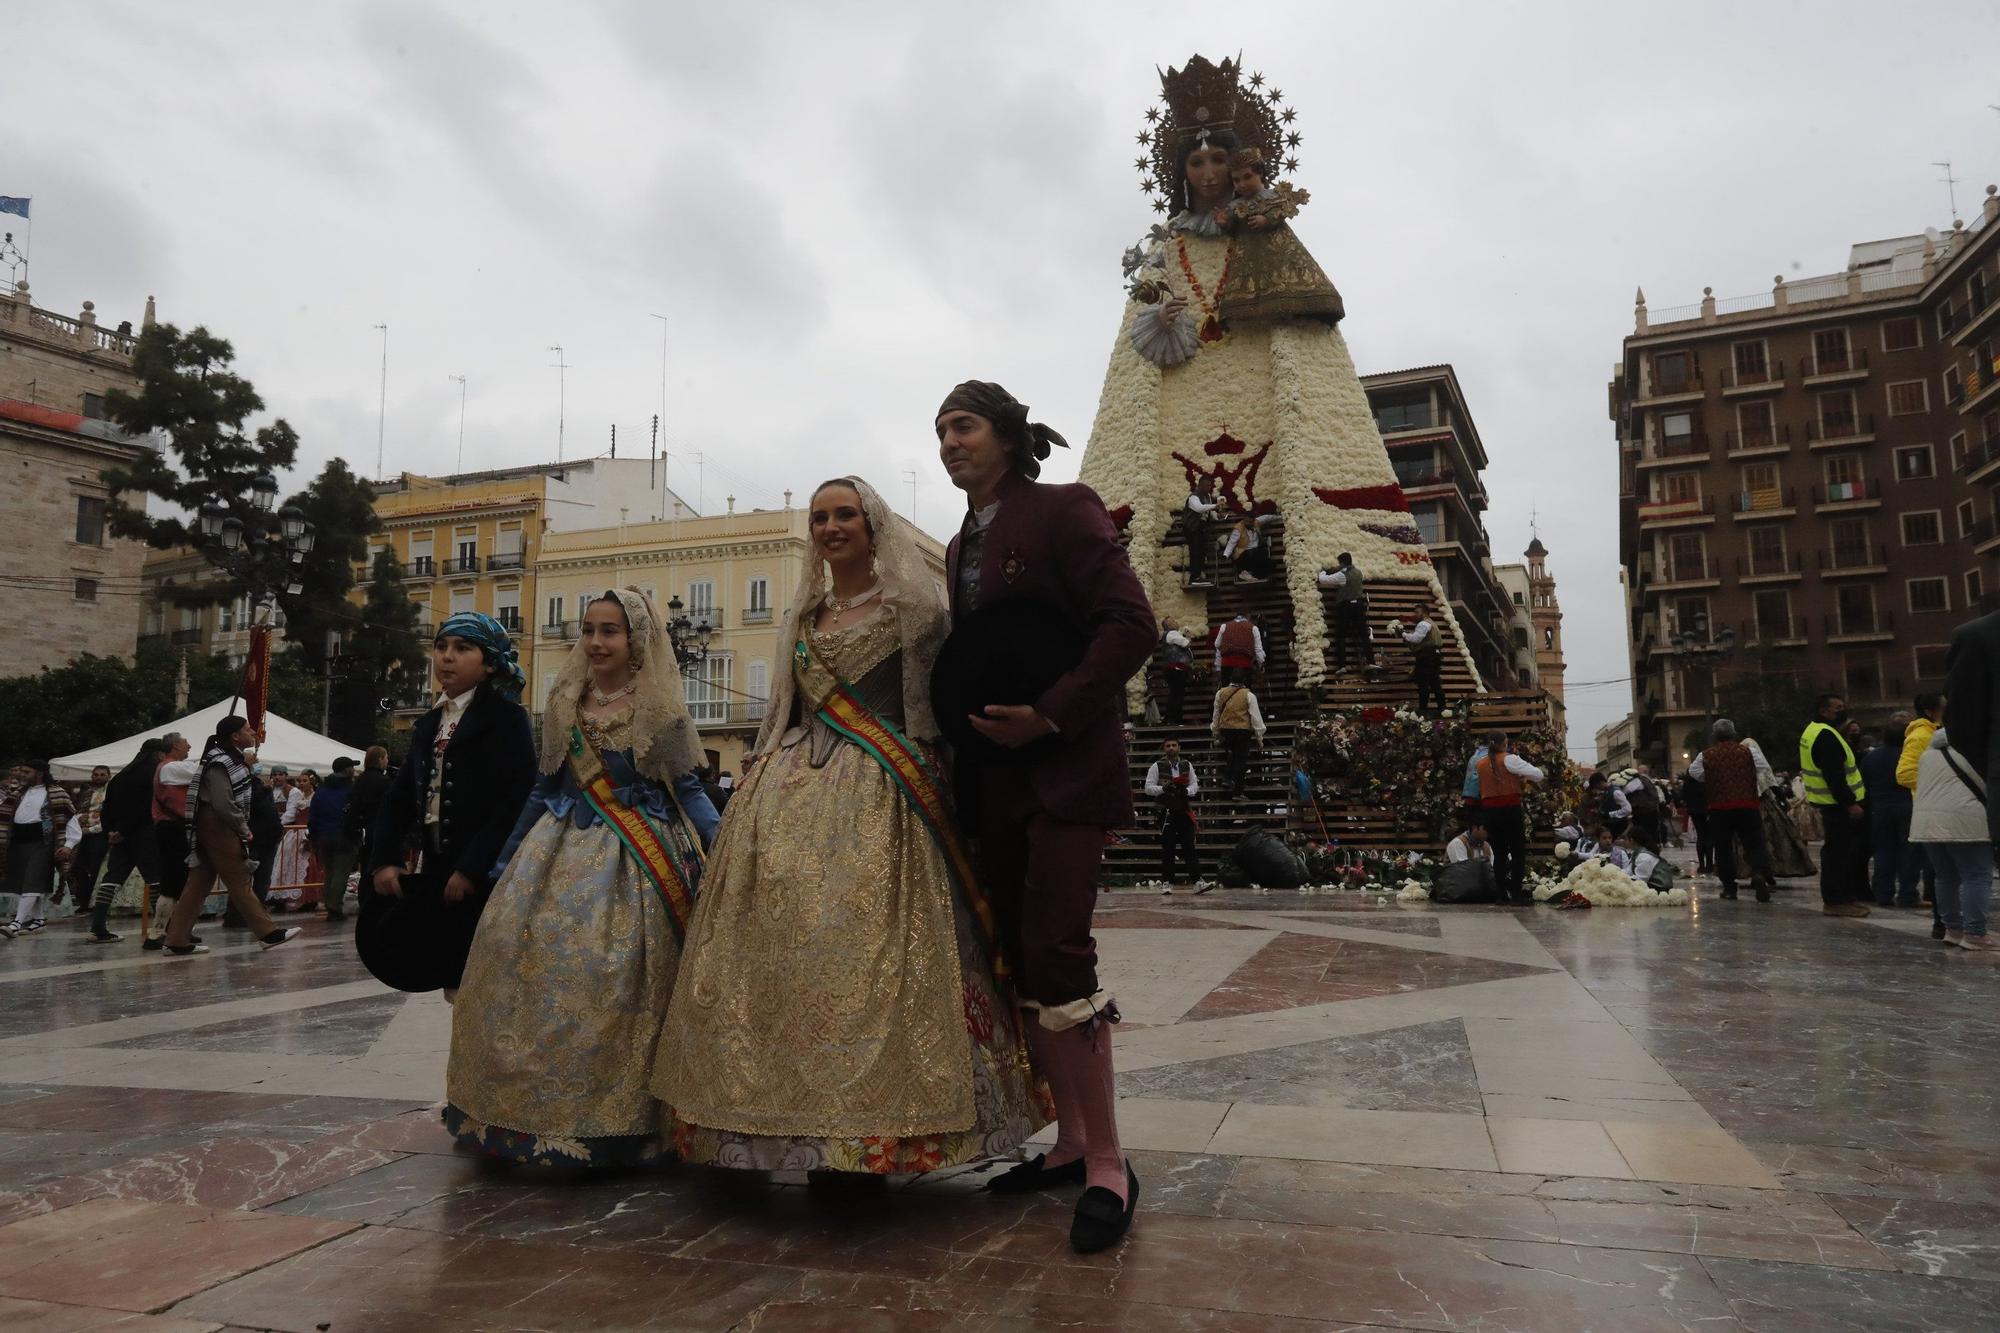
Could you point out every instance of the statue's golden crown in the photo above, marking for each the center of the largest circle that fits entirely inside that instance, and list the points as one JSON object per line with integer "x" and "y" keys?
{"x": 1203, "y": 96}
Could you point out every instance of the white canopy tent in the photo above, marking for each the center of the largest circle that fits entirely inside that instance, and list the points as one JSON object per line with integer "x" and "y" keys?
{"x": 286, "y": 744}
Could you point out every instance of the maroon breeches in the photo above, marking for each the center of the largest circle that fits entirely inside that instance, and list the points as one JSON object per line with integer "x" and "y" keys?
{"x": 1040, "y": 874}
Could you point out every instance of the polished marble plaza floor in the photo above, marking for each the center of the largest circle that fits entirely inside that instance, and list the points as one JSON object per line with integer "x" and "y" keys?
{"x": 1346, "y": 1113}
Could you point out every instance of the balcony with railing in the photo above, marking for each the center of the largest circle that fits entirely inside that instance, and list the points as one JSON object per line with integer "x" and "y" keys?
{"x": 181, "y": 638}
{"x": 1850, "y": 364}
{"x": 559, "y": 629}
{"x": 420, "y": 567}
{"x": 1985, "y": 534}
{"x": 1783, "y": 568}
{"x": 1869, "y": 626}
{"x": 1846, "y": 495}
{"x": 1686, "y": 572}
{"x": 1764, "y": 502}
{"x": 1988, "y": 301}
{"x": 1752, "y": 379}
{"x": 1775, "y": 440}
{"x": 757, "y": 615}
{"x": 1981, "y": 460}
{"x": 1774, "y": 634}
{"x": 465, "y": 564}
{"x": 1840, "y": 430}
{"x": 1845, "y": 560}
{"x": 1688, "y": 385}
{"x": 509, "y": 618}
{"x": 1677, "y": 513}
{"x": 1982, "y": 379}
{"x": 1690, "y": 448}
{"x": 504, "y": 560}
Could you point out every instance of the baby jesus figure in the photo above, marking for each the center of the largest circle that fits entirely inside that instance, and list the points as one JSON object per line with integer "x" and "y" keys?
{"x": 1256, "y": 206}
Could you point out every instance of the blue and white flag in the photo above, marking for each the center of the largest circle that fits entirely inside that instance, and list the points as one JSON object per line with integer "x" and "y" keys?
{"x": 10, "y": 204}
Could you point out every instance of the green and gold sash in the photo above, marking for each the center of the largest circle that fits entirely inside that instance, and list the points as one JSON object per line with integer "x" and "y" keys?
{"x": 841, "y": 709}
{"x": 670, "y": 858}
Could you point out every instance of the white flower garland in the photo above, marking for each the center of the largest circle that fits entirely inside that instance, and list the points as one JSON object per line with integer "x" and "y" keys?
{"x": 1605, "y": 885}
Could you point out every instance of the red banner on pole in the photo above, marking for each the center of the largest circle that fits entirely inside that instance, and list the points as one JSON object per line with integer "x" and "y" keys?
{"x": 257, "y": 678}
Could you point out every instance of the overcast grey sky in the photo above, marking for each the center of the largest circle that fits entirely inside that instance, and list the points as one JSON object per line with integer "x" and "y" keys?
{"x": 845, "y": 208}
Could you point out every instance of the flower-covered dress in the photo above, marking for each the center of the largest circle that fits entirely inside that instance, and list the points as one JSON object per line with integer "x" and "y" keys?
{"x": 1253, "y": 386}
{"x": 554, "y": 1027}
{"x": 837, "y": 1007}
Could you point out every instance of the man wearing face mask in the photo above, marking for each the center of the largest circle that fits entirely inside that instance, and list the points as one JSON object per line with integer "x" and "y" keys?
{"x": 1834, "y": 788}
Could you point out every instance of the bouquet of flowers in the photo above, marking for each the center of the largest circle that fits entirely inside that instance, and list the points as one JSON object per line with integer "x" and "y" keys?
{"x": 1414, "y": 766}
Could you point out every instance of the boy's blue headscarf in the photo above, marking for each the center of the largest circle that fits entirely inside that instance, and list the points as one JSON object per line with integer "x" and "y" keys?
{"x": 494, "y": 645}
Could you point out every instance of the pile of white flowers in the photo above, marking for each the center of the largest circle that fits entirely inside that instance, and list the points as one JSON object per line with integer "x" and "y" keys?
{"x": 1413, "y": 892}
{"x": 1605, "y": 885}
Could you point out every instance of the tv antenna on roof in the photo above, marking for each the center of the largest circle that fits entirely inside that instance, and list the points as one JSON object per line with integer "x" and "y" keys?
{"x": 1951, "y": 185}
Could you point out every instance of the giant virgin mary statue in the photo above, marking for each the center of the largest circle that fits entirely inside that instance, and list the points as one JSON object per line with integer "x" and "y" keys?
{"x": 1230, "y": 363}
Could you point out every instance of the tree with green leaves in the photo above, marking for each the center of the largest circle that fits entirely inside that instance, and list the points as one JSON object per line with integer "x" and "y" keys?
{"x": 94, "y": 700}
{"x": 341, "y": 508}
{"x": 1771, "y": 702}
{"x": 188, "y": 393}
{"x": 386, "y": 656}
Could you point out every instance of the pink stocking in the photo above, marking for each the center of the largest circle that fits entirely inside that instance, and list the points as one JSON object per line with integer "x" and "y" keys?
{"x": 1069, "y": 1143}
{"x": 1083, "y": 1053}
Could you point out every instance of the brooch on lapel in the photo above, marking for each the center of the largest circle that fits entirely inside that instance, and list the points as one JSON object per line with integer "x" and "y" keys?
{"x": 1013, "y": 566}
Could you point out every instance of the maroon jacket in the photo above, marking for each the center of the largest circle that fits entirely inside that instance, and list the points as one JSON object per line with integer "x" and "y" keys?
{"x": 1057, "y": 543}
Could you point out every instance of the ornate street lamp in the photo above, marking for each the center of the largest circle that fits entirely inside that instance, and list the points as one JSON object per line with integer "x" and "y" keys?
{"x": 264, "y": 492}
{"x": 689, "y": 637}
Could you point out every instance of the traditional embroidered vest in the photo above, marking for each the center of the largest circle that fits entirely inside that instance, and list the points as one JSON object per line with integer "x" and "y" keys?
{"x": 1235, "y": 710}
{"x": 1497, "y": 786}
{"x": 1239, "y": 640}
{"x": 1729, "y": 776}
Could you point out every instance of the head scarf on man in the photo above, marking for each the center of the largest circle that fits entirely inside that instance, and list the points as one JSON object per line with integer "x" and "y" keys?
{"x": 1009, "y": 416}
{"x": 494, "y": 645}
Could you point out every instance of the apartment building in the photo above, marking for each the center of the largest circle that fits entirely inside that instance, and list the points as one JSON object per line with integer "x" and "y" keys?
{"x": 734, "y": 573}
{"x": 1809, "y": 476}
{"x": 1438, "y": 456}
{"x": 71, "y": 586}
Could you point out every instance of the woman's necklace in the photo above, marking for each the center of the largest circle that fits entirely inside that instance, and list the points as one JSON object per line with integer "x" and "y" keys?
{"x": 1211, "y": 325}
{"x": 841, "y": 606}
{"x": 606, "y": 700}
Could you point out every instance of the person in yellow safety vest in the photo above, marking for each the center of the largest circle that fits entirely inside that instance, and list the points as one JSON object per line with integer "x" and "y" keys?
{"x": 1835, "y": 791}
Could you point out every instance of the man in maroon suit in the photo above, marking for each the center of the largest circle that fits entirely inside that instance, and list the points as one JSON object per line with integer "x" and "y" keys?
{"x": 1039, "y": 819}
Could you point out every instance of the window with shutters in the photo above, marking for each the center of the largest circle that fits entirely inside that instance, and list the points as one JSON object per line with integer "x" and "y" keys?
{"x": 1672, "y": 372}
{"x": 1836, "y": 414}
{"x": 1922, "y": 528}
{"x": 1767, "y": 548}
{"x": 90, "y": 520}
{"x": 1752, "y": 362}
{"x": 1830, "y": 351}
{"x": 1773, "y": 609}
{"x": 1908, "y": 397}
{"x": 1901, "y": 335}
{"x": 1754, "y": 426}
{"x": 1843, "y": 470}
{"x": 1863, "y": 671}
{"x": 1929, "y": 661}
{"x": 1929, "y": 595}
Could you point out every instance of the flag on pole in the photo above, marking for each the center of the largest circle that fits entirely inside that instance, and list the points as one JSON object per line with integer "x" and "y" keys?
{"x": 11, "y": 204}
{"x": 257, "y": 678}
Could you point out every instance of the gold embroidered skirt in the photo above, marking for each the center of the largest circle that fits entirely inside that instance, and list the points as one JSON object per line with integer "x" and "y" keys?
{"x": 836, "y": 1007}
{"x": 554, "y": 1028}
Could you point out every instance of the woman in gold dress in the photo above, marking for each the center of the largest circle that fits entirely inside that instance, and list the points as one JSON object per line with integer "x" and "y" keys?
{"x": 837, "y": 1007}
{"x": 555, "y": 1025}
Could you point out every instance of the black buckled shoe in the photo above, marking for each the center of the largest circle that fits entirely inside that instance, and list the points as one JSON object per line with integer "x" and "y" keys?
{"x": 1101, "y": 1221}
{"x": 1027, "y": 1177}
